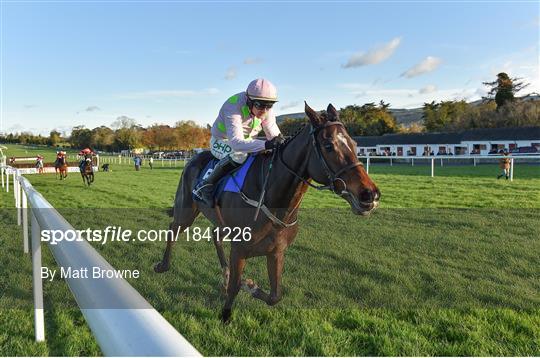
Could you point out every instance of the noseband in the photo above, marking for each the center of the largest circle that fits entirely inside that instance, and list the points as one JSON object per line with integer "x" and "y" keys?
{"x": 332, "y": 176}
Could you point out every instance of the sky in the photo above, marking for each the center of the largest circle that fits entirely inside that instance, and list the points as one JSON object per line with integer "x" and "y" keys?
{"x": 68, "y": 63}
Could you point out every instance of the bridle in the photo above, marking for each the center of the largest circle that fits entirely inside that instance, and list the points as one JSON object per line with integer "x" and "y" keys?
{"x": 331, "y": 175}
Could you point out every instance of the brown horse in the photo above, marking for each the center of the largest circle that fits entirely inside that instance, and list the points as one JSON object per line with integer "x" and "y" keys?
{"x": 322, "y": 151}
{"x": 87, "y": 171}
{"x": 60, "y": 167}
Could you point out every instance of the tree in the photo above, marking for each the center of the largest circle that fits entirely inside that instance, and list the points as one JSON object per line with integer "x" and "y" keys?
{"x": 289, "y": 126}
{"x": 369, "y": 119}
{"x": 189, "y": 135}
{"x": 444, "y": 116}
{"x": 81, "y": 137}
{"x": 128, "y": 133}
{"x": 54, "y": 138}
{"x": 504, "y": 89}
{"x": 102, "y": 138}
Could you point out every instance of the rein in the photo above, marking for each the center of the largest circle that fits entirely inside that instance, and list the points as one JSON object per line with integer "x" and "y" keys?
{"x": 332, "y": 177}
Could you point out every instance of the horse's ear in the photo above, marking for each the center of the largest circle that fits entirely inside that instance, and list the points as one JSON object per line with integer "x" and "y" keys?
{"x": 315, "y": 119}
{"x": 332, "y": 113}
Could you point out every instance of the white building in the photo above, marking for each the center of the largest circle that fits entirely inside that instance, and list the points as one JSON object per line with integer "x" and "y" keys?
{"x": 475, "y": 141}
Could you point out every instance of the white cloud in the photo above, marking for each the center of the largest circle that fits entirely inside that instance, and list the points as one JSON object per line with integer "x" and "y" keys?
{"x": 29, "y": 106}
{"x": 373, "y": 56}
{"x": 427, "y": 89}
{"x": 481, "y": 92}
{"x": 290, "y": 105}
{"x": 429, "y": 64}
{"x": 167, "y": 94}
{"x": 401, "y": 98}
{"x": 252, "y": 60}
{"x": 231, "y": 73}
{"x": 92, "y": 109}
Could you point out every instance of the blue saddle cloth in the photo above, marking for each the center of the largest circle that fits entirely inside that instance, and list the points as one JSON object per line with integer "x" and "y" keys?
{"x": 232, "y": 182}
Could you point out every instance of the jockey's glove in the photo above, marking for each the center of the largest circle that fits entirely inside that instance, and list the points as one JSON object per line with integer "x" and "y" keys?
{"x": 274, "y": 142}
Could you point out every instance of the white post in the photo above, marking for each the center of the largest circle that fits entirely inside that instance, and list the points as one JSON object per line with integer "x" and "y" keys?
{"x": 390, "y": 161}
{"x": 511, "y": 169}
{"x": 175, "y": 162}
{"x": 161, "y": 161}
{"x": 39, "y": 321}
{"x": 432, "y": 167}
{"x": 18, "y": 200}
{"x": 2, "y": 173}
{"x": 7, "y": 182}
{"x": 412, "y": 162}
{"x": 25, "y": 221}
{"x": 474, "y": 161}
{"x": 14, "y": 188}
{"x": 367, "y": 165}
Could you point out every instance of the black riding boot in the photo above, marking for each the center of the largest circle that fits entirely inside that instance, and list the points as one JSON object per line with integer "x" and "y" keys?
{"x": 205, "y": 189}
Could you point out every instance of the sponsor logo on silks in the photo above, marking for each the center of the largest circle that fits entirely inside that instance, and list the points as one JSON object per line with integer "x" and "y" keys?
{"x": 222, "y": 147}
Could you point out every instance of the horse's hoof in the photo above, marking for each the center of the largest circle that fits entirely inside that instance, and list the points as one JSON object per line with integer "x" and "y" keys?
{"x": 226, "y": 316}
{"x": 160, "y": 267}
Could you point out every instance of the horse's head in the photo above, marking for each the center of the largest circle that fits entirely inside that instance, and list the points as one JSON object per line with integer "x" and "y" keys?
{"x": 333, "y": 162}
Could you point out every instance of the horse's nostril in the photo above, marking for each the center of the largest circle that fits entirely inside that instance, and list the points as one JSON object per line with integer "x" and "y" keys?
{"x": 366, "y": 196}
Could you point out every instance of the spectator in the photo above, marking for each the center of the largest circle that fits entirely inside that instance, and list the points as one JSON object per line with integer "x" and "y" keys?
{"x": 138, "y": 162}
{"x": 151, "y": 162}
{"x": 504, "y": 164}
{"x": 39, "y": 164}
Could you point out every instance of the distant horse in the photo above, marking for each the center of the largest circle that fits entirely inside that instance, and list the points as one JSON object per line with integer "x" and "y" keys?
{"x": 322, "y": 151}
{"x": 60, "y": 167}
{"x": 87, "y": 171}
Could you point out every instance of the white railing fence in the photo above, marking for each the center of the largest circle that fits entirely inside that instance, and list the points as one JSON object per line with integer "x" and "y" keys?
{"x": 130, "y": 327}
{"x": 439, "y": 160}
{"x": 164, "y": 162}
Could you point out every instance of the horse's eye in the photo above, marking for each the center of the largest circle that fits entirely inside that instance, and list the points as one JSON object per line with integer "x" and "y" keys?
{"x": 328, "y": 146}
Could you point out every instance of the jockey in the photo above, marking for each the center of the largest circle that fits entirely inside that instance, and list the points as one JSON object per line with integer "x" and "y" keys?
{"x": 86, "y": 153}
{"x": 59, "y": 155}
{"x": 239, "y": 121}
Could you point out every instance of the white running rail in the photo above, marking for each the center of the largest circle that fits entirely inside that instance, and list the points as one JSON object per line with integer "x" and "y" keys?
{"x": 122, "y": 321}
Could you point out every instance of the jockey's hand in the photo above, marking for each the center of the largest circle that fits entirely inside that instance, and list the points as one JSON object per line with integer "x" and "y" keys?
{"x": 274, "y": 142}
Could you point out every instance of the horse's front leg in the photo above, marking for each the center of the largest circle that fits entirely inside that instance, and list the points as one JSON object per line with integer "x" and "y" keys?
{"x": 225, "y": 272}
{"x": 237, "y": 268}
{"x": 274, "y": 264}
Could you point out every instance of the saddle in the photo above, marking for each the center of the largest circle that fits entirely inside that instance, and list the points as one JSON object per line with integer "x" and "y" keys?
{"x": 232, "y": 182}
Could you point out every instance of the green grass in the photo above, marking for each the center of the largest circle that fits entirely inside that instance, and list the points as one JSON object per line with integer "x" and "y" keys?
{"x": 448, "y": 266}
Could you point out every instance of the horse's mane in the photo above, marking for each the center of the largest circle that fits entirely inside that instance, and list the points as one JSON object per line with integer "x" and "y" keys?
{"x": 294, "y": 135}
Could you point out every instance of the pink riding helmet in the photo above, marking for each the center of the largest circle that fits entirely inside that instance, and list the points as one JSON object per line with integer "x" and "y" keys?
{"x": 262, "y": 90}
